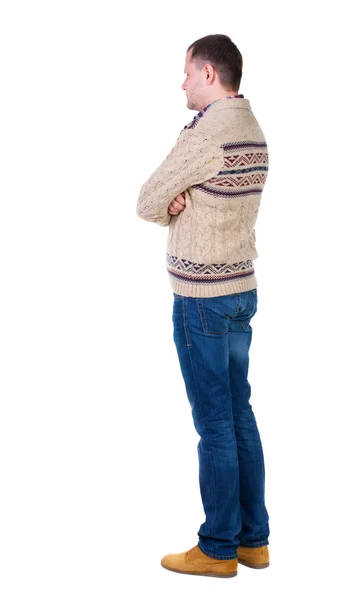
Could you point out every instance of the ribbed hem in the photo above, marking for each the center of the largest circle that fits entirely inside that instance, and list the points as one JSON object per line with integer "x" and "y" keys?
{"x": 211, "y": 290}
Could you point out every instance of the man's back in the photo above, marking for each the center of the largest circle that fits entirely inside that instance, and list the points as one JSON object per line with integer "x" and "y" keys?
{"x": 211, "y": 244}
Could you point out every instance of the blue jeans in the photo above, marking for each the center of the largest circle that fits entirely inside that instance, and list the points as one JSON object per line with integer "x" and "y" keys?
{"x": 213, "y": 337}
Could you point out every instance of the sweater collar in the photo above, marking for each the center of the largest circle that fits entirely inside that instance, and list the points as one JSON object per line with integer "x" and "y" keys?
{"x": 196, "y": 118}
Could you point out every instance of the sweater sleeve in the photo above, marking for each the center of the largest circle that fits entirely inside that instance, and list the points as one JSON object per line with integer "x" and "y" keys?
{"x": 195, "y": 158}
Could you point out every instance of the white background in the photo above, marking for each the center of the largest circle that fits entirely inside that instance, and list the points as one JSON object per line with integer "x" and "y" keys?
{"x": 99, "y": 471}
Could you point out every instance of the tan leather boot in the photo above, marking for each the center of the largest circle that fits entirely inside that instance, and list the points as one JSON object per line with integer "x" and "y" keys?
{"x": 195, "y": 562}
{"x": 257, "y": 558}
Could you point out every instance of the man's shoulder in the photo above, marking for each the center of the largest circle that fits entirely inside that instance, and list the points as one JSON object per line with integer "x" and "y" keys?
{"x": 225, "y": 121}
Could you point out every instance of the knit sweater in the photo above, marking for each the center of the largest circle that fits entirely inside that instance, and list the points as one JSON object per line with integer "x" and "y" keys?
{"x": 220, "y": 160}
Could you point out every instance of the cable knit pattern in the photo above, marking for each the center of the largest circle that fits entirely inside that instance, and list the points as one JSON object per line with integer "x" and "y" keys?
{"x": 220, "y": 160}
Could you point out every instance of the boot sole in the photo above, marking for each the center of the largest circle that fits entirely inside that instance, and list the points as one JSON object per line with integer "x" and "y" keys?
{"x": 252, "y": 565}
{"x": 206, "y": 574}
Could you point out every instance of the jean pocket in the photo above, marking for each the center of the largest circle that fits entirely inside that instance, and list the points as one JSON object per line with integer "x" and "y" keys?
{"x": 213, "y": 319}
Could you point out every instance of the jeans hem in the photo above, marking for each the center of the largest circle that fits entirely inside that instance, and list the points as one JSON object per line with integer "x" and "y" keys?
{"x": 256, "y": 545}
{"x": 217, "y": 557}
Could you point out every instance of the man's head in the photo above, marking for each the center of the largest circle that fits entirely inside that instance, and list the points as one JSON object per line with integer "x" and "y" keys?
{"x": 213, "y": 69}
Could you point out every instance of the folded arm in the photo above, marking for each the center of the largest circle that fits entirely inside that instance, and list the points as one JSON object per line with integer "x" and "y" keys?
{"x": 193, "y": 159}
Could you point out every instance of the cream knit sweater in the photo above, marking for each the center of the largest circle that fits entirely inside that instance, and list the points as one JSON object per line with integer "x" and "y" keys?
{"x": 220, "y": 161}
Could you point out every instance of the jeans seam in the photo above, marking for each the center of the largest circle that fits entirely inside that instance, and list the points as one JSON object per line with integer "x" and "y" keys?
{"x": 212, "y": 528}
{"x": 188, "y": 341}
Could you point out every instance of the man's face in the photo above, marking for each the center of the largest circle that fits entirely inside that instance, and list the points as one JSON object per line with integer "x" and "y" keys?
{"x": 193, "y": 84}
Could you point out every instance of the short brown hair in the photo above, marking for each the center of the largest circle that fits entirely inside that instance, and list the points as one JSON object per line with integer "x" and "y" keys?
{"x": 219, "y": 51}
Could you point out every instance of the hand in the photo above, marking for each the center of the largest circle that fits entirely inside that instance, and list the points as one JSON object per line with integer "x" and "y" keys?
{"x": 177, "y": 204}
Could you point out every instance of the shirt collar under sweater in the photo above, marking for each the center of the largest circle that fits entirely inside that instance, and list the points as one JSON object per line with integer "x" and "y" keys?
{"x": 196, "y": 118}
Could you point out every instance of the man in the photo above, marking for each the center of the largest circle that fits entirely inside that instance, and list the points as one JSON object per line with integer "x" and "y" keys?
{"x": 208, "y": 192}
